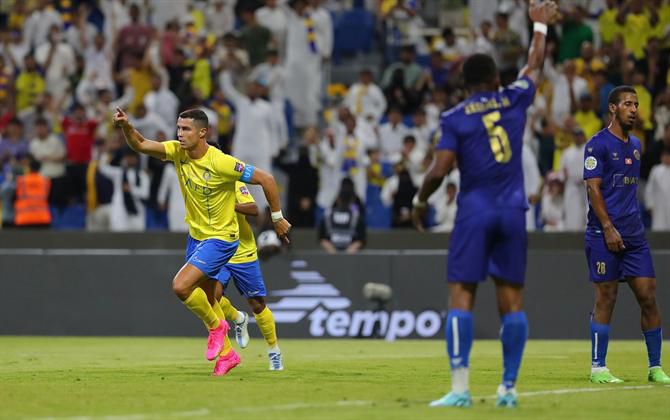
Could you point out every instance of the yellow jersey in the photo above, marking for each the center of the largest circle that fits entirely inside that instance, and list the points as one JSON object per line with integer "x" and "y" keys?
{"x": 608, "y": 26}
{"x": 246, "y": 250}
{"x": 208, "y": 187}
{"x": 636, "y": 33}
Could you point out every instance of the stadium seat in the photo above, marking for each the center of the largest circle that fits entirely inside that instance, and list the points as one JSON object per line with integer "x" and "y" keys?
{"x": 69, "y": 218}
{"x": 354, "y": 33}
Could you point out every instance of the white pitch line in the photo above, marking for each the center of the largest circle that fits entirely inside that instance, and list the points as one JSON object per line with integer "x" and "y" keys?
{"x": 299, "y": 405}
{"x": 335, "y": 404}
{"x": 579, "y": 390}
{"x": 142, "y": 416}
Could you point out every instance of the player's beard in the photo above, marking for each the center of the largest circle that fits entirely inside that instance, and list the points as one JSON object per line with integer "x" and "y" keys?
{"x": 626, "y": 123}
{"x": 626, "y": 126}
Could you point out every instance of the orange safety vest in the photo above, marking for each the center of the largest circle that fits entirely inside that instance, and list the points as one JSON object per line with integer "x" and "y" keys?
{"x": 32, "y": 200}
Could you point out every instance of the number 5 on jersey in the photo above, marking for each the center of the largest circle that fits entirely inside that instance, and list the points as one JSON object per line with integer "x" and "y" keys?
{"x": 502, "y": 151}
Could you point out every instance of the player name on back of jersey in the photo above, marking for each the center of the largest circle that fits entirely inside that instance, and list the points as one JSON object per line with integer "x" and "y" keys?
{"x": 492, "y": 103}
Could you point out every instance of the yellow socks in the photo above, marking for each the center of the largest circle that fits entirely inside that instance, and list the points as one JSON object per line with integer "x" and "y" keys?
{"x": 228, "y": 309}
{"x": 199, "y": 305}
{"x": 227, "y": 346}
{"x": 218, "y": 311}
{"x": 266, "y": 323}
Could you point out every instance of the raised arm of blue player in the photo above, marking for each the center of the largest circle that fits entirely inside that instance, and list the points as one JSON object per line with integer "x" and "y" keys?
{"x": 543, "y": 12}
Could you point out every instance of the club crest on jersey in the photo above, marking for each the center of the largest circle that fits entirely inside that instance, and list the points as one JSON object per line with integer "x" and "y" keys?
{"x": 590, "y": 163}
{"x": 239, "y": 167}
{"x": 244, "y": 190}
{"x": 636, "y": 153}
{"x": 206, "y": 175}
{"x": 628, "y": 161}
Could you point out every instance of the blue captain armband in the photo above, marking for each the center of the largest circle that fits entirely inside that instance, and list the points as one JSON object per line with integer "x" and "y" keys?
{"x": 247, "y": 173}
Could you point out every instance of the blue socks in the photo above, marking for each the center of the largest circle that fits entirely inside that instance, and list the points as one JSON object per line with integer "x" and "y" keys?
{"x": 654, "y": 338}
{"x": 458, "y": 332}
{"x": 513, "y": 335}
{"x": 600, "y": 337}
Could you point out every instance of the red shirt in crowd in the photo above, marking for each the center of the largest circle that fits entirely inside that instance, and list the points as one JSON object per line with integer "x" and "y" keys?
{"x": 79, "y": 139}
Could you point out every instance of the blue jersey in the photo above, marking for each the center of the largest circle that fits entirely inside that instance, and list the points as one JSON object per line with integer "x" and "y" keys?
{"x": 617, "y": 163}
{"x": 486, "y": 133}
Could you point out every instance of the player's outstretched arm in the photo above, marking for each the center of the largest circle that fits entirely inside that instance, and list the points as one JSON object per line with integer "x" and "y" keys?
{"x": 135, "y": 140}
{"x": 444, "y": 161}
{"x": 612, "y": 236}
{"x": 267, "y": 181}
{"x": 541, "y": 13}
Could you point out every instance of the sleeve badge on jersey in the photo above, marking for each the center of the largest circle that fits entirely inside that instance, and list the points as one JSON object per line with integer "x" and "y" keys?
{"x": 590, "y": 163}
{"x": 521, "y": 84}
{"x": 239, "y": 167}
{"x": 244, "y": 190}
{"x": 636, "y": 153}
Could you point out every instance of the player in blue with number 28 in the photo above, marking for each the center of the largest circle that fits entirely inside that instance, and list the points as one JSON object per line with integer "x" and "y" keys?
{"x": 484, "y": 133}
{"x": 616, "y": 248}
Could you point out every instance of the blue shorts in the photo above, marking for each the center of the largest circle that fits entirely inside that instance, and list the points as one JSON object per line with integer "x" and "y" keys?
{"x": 247, "y": 277}
{"x": 605, "y": 265}
{"x": 491, "y": 243}
{"x": 210, "y": 255}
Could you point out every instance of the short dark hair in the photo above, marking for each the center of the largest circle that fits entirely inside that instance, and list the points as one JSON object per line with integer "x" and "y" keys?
{"x": 42, "y": 121}
{"x": 615, "y": 94}
{"x": 479, "y": 69}
{"x": 34, "y": 164}
{"x": 197, "y": 115}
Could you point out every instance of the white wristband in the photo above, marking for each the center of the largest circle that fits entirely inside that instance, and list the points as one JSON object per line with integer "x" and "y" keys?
{"x": 276, "y": 216}
{"x": 540, "y": 27}
{"x": 418, "y": 204}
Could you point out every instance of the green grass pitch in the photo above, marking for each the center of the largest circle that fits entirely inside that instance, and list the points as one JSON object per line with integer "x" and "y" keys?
{"x": 156, "y": 378}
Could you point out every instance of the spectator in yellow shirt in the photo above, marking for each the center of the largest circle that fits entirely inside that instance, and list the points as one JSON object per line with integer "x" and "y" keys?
{"x": 29, "y": 84}
{"x": 636, "y": 27}
{"x": 644, "y": 98}
{"x": 607, "y": 22}
{"x": 202, "y": 71}
{"x": 586, "y": 117}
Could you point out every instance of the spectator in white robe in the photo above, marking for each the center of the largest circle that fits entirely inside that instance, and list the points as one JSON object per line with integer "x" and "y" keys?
{"x": 657, "y": 193}
{"x": 572, "y": 168}
{"x": 303, "y": 65}
{"x": 532, "y": 182}
{"x": 170, "y": 199}
{"x": 131, "y": 189}
{"x": 257, "y": 129}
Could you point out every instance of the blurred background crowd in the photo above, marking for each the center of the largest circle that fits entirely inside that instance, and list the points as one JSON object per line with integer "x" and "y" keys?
{"x": 339, "y": 98}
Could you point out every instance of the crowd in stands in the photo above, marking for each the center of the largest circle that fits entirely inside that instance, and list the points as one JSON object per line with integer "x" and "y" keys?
{"x": 263, "y": 73}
